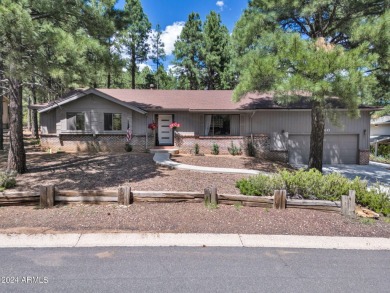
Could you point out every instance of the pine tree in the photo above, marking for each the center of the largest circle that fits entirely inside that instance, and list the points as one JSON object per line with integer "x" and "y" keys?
{"x": 45, "y": 46}
{"x": 135, "y": 36}
{"x": 324, "y": 63}
{"x": 157, "y": 53}
{"x": 215, "y": 52}
{"x": 187, "y": 52}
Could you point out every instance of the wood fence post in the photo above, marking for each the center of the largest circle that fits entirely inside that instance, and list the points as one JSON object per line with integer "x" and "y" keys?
{"x": 283, "y": 199}
{"x": 127, "y": 199}
{"x": 207, "y": 196}
{"x": 214, "y": 196}
{"x": 348, "y": 204}
{"x": 47, "y": 196}
{"x": 280, "y": 197}
{"x": 124, "y": 195}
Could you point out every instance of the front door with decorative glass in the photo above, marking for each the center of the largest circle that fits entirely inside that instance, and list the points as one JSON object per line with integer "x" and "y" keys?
{"x": 165, "y": 134}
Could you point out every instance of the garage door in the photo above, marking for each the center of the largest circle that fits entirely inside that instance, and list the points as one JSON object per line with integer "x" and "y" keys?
{"x": 338, "y": 149}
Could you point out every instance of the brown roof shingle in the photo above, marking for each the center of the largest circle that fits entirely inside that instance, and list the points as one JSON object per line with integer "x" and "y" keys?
{"x": 194, "y": 100}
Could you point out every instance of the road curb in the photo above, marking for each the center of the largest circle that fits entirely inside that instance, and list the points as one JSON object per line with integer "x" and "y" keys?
{"x": 190, "y": 240}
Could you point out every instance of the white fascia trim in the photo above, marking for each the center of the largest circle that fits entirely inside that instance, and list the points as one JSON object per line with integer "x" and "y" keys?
{"x": 95, "y": 92}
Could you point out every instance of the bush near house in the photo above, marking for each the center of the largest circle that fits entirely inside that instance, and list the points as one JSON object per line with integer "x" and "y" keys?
{"x": 383, "y": 150}
{"x": 314, "y": 185}
{"x": 234, "y": 150}
{"x": 7, "y": 180}
{"x": 215, "y": 149}
{"x": 383, "y": 155}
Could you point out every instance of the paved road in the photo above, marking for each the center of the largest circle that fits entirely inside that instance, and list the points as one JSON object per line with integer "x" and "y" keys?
{"x": 183, "y": 269}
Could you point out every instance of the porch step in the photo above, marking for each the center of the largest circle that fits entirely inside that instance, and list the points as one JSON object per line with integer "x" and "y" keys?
{"x": 164, "y": 150}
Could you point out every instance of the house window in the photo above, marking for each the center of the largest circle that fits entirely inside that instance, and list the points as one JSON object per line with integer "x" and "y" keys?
{"x": 112, "y": 121}
{"x": 75, "y": 121}
{"x": 216, "y": 125}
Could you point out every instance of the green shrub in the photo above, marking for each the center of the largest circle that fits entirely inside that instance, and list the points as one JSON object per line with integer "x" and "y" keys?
{"x": 260, "y": 184}
{"x": 215, "y": 149}
{"x": 196, "y": 149}
{"x": 312, "y": 184}
{"x": 380, "y": 159}
{"x": 251, "y": 149}
{"x": 383, "y": 150}
{"x": 301, "y": 182}
{"x": 234, "y": 150}
{"x": 7, "y": 179}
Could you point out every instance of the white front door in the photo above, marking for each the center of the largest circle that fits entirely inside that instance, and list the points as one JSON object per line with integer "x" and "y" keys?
{"x": 165, "y": 134}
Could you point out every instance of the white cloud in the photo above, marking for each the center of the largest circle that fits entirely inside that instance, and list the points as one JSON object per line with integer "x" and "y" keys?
{"x": 143, "y": 65}
{"x": 169, "y": 36}
{"x": 220, "y": 4}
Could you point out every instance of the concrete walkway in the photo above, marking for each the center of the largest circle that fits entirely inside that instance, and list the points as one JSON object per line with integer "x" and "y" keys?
{"x": 163, "y": 159}
{"x": 191, "y": 240}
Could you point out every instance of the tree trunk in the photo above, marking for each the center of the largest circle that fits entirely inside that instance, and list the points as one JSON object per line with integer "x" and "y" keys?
{"x": 317, "y": 136}
{"x": 109, "y": 79}
{"x": 34, "y": 112}
{"x": 16, "y": 155}
{"x": 1, "y": 110}
{"x": 133, "y": 67}
{"x": 1, "y": 121}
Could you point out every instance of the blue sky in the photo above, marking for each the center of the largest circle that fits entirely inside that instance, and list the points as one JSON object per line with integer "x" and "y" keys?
{"x": 171, "y": 15}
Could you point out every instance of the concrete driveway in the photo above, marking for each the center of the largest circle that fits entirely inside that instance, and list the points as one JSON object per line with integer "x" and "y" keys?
{"x": 374, "y": 172}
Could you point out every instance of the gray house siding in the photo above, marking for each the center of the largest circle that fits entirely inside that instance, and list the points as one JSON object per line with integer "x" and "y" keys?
{"x": 281, "y": 134}
{"x": 343, "y": 143}
{"x": 94, "y": 108}
{"x": 57, "y": 136}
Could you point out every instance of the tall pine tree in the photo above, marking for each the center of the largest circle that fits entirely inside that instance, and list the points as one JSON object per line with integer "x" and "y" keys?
{"x": 187, "y": 52}
{"x": 135, "y": 36}
{"x": 42, "y": 43}
{"x": 157, "y": 52}
{"x": 215, "y": 54}
{"x": 321, "y": 63}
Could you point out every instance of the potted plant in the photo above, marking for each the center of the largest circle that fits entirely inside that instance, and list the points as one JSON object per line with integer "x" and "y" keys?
{"x": 174, "y": 125}
{"x": 152, "y": 125}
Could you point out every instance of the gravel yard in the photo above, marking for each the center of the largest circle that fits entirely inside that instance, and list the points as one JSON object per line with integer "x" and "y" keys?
{"x": 184, "y": 218}
{"x": 108, "y": 171}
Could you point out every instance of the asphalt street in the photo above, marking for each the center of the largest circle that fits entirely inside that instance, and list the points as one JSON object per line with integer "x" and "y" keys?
{"x": 193, "y": 269}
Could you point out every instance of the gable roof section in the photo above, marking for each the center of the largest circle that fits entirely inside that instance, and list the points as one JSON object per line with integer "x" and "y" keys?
{"x": 143, "y": 101}
{"x": 77, "y": 94}
{"x": 207, "y": 100}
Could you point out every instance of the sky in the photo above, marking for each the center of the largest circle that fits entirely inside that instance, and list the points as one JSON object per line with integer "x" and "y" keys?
{"x": 172, "y": 14}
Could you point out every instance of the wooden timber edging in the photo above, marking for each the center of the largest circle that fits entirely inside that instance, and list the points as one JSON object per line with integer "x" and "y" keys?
{"x": 49, "y": 196}
{"x": 25, "y": 198}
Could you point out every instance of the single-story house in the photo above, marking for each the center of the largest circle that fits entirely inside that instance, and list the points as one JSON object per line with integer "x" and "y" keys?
{"x": 380, "y": 131}
{"x": 98, "y": 120}
{"x": 5, "y": 120}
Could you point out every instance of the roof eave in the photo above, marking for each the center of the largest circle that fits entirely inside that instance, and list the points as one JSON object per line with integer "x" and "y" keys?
{"x": 87, "y": 92}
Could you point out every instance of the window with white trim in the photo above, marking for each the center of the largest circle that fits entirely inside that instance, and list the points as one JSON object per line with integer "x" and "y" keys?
{"x": 75, "y": 120}
{"x": 112, "y": 121}
{"x": 222, "y": 125}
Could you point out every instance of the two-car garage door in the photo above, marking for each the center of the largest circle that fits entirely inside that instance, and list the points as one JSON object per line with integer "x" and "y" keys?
{"x": 338, "y": 149}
